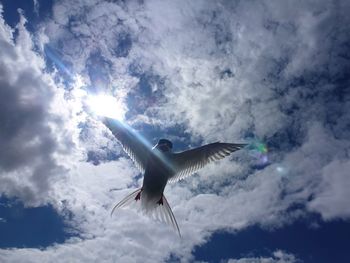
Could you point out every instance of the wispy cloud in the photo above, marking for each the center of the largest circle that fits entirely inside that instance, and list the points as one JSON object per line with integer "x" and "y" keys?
{"x": 278, "y": 256}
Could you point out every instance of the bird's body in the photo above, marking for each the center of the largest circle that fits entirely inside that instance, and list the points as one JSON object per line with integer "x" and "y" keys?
{"x": 161, "y": 165}
{"x": 155, "y": 179}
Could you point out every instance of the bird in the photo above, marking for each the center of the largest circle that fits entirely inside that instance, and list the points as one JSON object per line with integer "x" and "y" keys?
{"x": 160, "y": 165}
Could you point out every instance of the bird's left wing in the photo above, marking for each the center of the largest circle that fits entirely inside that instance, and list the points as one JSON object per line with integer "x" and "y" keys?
{"x": 188, "y": 162}
{"x": 133, "y": 145}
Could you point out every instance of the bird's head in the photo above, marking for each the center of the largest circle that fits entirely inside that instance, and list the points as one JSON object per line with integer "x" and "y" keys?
{"x": 164, "y": 145}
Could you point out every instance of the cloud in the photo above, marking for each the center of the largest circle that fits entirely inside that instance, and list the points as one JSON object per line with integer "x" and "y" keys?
{"x": 279, "y": 256}
{"x": 31, "y": 141}
{"x": 330, "y": 201}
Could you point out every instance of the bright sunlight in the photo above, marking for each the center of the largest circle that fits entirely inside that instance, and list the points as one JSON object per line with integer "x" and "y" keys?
{"x": 108, "y": 106}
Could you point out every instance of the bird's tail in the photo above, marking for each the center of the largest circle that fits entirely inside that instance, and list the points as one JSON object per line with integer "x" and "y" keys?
{"x": 160, "y": 210}
{"x": 128, "y": 200}
{"x": 164, "y": 213}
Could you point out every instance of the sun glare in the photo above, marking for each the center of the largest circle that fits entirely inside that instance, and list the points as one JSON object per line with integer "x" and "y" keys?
{"x": 107, "y": 106}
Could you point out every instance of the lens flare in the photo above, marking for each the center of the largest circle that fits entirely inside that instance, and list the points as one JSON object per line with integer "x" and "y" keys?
{"x": 282, "y": 170}
{"x": 107, "y": 106}
{"x": 260, "y": 147}
{"x": 259, "y": 151}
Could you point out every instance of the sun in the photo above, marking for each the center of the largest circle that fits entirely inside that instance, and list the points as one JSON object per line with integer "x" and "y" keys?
{"x": 107, "y": 106}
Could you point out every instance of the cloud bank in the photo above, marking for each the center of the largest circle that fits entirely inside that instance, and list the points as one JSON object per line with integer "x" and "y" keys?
{"x": 33, "y": 148}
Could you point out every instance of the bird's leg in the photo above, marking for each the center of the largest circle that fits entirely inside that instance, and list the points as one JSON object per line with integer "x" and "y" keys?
{"x": 138, "y": 196}
{"x": 160, "y": 202}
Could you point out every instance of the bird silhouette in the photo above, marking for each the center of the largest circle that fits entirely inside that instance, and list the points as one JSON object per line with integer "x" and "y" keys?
{"x": 161, "y": 165}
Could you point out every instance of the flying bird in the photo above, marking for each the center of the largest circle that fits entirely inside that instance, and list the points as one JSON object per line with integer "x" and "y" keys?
{"x": 161, "y": 165}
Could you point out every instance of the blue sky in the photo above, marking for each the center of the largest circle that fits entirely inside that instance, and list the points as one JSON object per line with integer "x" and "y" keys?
{"x": 271, "y": 73}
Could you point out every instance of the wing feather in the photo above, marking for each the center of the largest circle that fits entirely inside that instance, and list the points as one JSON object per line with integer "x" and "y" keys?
{"x": 189, "y": 162}
{"x": 132, "y": 144}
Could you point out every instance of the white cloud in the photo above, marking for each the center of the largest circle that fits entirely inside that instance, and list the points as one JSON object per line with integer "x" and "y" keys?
{"x": 33, "y": 144}
{"x": 279, "y": 256}
{"x": 331, "y": 199}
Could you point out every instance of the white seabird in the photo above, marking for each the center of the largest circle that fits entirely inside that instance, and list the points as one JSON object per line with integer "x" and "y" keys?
{"x": 160, "y": 165}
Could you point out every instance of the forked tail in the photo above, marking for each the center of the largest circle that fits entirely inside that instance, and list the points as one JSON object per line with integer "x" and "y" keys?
{"x": 161, "y": 210}
{"x": 164, "y": 213}
{"x": 128, "y": 200}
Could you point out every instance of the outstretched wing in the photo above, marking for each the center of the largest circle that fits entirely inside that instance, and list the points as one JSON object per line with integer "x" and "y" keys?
{"x": 188, "y": 162}
{"x": 137, "y": 149}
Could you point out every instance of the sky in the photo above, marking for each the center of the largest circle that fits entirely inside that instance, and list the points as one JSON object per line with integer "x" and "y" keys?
{"x": 274, "y": 74}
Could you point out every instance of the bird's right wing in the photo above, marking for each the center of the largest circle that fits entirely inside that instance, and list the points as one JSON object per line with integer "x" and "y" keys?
{"x": 188, "y": 162}
{"x": 133, "y": 145}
